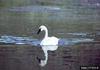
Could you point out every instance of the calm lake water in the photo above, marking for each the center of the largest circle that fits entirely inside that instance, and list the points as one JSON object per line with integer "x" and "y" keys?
{"x": 77, "y": 26}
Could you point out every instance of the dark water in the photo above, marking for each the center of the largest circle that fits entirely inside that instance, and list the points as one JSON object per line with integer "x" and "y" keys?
{"x": 23, "y": 57}
{"x": 76, "y": 23}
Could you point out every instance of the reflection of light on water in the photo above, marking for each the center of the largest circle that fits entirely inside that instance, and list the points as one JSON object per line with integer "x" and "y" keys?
{"x": 84, "y": 34}
{"x": 35, "y": 9}
{"x": 98, "y": 4}
{"x": 18, "y": 40}
{"x": 73, "y": 41}
{"x": 76, "y": 34}
{"x": 36, "y": 42}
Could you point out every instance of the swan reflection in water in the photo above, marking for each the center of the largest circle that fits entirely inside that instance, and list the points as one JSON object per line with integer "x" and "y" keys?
{"x": 47, "y": 44}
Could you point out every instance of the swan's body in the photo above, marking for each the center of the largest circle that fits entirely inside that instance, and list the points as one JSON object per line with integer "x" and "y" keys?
{"x": 48, "y": 43}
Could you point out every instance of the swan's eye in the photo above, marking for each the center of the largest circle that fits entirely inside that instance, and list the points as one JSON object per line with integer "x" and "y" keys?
{"x": 39, "y": 31}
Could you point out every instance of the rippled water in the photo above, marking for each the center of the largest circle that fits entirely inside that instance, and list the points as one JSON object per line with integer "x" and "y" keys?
{"x": 35, "y": 42}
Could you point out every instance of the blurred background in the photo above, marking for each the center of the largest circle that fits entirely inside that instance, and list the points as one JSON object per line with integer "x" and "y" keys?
{"x": 63, "y": 19}
{"x": 60, "y": 16}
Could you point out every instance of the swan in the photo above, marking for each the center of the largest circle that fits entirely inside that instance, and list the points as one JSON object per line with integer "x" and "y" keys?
{"x": 47, "y": 44}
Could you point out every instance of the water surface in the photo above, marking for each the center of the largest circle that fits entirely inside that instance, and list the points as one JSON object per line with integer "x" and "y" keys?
{"x": 75, "y": 22}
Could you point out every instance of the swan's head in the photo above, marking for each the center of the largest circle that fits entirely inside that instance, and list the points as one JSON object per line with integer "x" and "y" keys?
{"x": 41, "y": 28}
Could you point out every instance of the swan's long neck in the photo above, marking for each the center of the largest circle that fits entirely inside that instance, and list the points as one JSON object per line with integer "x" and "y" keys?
{"x": 46, "y": 33}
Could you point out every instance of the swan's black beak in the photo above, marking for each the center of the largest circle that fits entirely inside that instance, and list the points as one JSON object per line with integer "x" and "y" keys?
{"x": 39, "y": 31}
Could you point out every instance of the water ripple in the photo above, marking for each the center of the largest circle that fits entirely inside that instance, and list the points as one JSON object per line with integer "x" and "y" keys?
{"x": 35, "y": 42}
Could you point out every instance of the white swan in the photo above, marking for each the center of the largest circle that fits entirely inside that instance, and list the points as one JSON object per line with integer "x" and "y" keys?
{"x": 48, "y": 43}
